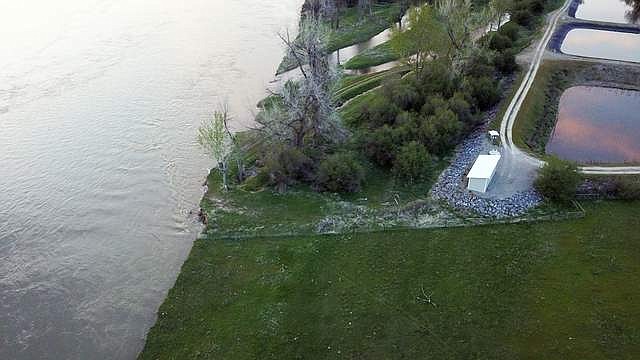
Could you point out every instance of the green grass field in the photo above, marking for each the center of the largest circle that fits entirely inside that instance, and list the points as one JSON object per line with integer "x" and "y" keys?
{"x": 554, "y": 290}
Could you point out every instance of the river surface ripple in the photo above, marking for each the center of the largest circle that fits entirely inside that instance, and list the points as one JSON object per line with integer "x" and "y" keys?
{"x": 99, "y": 169}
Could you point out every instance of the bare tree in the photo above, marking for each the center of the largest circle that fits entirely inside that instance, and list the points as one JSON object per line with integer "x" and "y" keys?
{"x": 365, "y": 8}
{"x": 499, "y": 9}
{"x": 305, "y": 113}
{"x": 633, "y": 15}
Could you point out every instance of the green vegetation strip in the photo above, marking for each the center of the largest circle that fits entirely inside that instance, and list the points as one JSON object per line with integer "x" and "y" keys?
{"x": 564, "y": 290}
{"x": 378, "y": 55}
{"x": 355, "y": 85}
{"x": 355, "y": 29}
{"x": 242, "y": 212}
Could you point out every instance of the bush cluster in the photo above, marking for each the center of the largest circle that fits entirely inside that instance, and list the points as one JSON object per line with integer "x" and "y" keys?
{"x": 558, "y": 180}
{"x": 417, "y": 120}
{"x": 340, "y": 172}
{"x": 424, "y": 114}
{"x": 527, "y": 12}
{"x": 628, "y": 188}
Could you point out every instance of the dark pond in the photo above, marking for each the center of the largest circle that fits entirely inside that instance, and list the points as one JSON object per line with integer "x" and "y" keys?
{"x": 602, "y": 44}
{"x": 597, "y": 125}
{"x": 614, "y": 11}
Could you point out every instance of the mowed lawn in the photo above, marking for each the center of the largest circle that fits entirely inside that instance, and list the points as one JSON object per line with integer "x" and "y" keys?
{"x": 553, "y": 290}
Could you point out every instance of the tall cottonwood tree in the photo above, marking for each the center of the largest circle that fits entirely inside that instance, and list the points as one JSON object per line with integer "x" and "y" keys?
{"x": 304, "y": 114}
{"x": 634, "y": 14}
{"x": 365, "y": 7}
{"x": 460, "y": 22}
{"x": 500, "y": 9}
{"x": 423, "y": 39}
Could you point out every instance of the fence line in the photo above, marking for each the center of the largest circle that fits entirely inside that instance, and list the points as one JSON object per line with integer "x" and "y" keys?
{"x": 578, "y": 213}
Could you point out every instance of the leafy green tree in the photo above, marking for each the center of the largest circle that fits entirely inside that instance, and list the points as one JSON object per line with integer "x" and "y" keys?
{"x": 485, "y": 91}
{"x": 379, "y": 145}
{"x": 423, "y": 39}
{"x": 214, "y": 137}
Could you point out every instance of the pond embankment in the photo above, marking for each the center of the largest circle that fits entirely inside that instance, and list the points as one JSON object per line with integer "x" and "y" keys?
{"x": 539, "y": 113}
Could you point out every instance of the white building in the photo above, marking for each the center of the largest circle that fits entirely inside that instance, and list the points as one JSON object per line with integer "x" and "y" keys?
{"x": 482, "y": 172}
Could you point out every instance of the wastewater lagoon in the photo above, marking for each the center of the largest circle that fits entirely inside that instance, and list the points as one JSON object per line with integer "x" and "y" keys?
{"x": 597, "y": 125}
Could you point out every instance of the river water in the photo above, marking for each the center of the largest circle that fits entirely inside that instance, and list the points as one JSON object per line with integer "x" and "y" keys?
{"x": 99, "y": 168}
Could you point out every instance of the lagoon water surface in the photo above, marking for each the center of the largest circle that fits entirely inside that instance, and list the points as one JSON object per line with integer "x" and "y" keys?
{"x": 614, "y": 11}
{"x": 602, "y": 44}
{"x": 99, "y": 168}
{"x": 597, "y": 125}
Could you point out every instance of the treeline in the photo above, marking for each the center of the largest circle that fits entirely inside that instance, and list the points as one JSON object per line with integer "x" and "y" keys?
{"x": 409, "y": 124}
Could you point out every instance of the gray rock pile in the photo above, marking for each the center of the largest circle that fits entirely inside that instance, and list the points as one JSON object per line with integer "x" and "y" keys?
{"x": 451, "y": 188}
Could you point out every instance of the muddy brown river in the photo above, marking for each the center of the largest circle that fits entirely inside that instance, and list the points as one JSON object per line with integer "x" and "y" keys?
{"x": 99, "y": 168}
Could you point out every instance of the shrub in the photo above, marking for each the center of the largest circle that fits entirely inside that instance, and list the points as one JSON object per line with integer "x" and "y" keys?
{"x": 523, "y": 17}
{"x": 402, "y": 94}
{"x": 432, "y": 104}
{"x": 435, "y": 78}
{"x": 479, "y": 64}
{"x": 287, "y": 165}
{"x": 406, "y": 127}
{"x": 510, "y": 30}
{"x": 379, "y": 111}
{"x": 505, "y": 62}
{"x": 461, "y": 107}
{"x": 537, "y": 6}
{"x": 500, "y": 42}
{"x": 558, "y": 180}
{"x": 340, "y": 172}
{"x": 628, "y": 188}
{"x": 485, "y": 92}
{"x": 440, "y": 132}
{"x": 380, "y": 145}
{"x": 412, "y": 162}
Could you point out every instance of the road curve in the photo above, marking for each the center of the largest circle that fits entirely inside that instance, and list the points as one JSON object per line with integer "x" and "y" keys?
{"x": 506, "y": 126}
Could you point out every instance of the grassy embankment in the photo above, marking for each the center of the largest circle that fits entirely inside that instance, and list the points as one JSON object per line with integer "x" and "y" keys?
{"x": 565, "y": 290}
{"x": 380, "y": 54}
{"x": 249, "y": 212}
{"x": 355, "y": 85}
{"x": 354, "y": 29}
